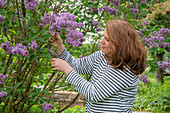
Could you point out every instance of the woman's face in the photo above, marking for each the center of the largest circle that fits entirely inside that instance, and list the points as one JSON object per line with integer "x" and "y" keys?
{"x": 105, "y": 43}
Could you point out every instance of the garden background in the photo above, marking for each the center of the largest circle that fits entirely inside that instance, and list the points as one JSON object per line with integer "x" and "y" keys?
{"x": 28, "y": 83}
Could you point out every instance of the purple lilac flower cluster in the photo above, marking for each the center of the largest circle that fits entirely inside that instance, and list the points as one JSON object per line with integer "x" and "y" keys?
{"x": 134, "y": 8}
{"x": 94, "y": 23}
{"x": 112, "y": 10}
{"x": 2, "y": 78}
{"x": 3, "y": 93}
{"x": 1, "y": 19}
{"x": 32, "y": 45}
{"x": 98, "y": 29}
{"x": 114, "y": 2}
{"x": 75, "y": 35}
{"x": 156, "y": 39}
{"x": 2, "y": 81}
{"x": 3, "y": 3}
{"x": 164, "y": 64}
{"x": 45, "y": 20}
{"x": 31, "y": 4}
{"x": 143, "y": 1}
{"x": 68, "y": 22}
{"x": 46, "y": 106}
{"x": 145, "y": 23}
{"x": 94, "y": 9}
{"x": 17, "y": 49}
{"x": 7, "y": 47}
{"x": 139, "y": 33}
{"x": 144, "y": 79}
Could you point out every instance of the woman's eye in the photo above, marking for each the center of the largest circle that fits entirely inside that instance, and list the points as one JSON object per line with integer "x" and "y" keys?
{"x": 107, "y": 39}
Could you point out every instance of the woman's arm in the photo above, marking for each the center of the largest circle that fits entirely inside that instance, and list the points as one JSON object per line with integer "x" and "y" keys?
{"x": 108, "y": 84}
{"x": 83, "y": 65}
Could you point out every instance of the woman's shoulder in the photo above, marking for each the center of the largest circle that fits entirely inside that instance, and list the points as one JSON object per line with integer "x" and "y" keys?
{"x": 125, "y": 74}
{"x": 99, "y": 53}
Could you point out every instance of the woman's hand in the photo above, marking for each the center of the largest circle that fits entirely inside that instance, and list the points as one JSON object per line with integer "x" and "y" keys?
{"x": 60, "y": 65}
{"x": 57, "y": 42}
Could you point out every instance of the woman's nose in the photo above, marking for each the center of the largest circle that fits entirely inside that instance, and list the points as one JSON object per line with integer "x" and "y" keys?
{"x": 102, "y": 41}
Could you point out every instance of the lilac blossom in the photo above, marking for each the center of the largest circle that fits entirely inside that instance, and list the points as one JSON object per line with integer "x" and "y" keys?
{"x": 164, "y": 32}
{"x": 114, "y": 2}
{"x": 161, "y": 39}
{"x": 7, "y": 47}
{"x": 154, "y": 44}
{"x": 98, "y": 29}
{"x": 134, "y": 8}
{"x": 112, "y": 10}
{"x": 17, "y": 49}
{"x": 94, "y": 9}
{"x": 157, "y": 39}
{"x": 1, "y": 19}
{"x": 3, "y": 93}
{"x": 20, "y": 49}
{"x": 143, "y": 1}
{"x": 45, "y": 20}
{"x": 167, "y": 60}
{"x": 145, "y": 29}
{"x": 164, "y": 45}
{"x": 94, "y": 23}
{"x": 2, "y": 78}
{"x": 68, "y": 22}
{"x": 144, "y": 79}
{"x": 32, "y": 45}
{"x": 3, "y": 3}
{"x": 31, "y": 4}
{"x": 139, "y": 33}
{"x": 163, "y": 64}
{"x": 75, "y": 38}
{"x": 46, "y": 106}
{"x": 144, "y": 23}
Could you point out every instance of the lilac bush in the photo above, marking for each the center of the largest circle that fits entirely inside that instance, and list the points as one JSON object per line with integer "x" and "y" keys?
{"x": 25, "y": 28}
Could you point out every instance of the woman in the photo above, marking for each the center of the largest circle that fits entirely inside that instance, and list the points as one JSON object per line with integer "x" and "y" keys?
{"x": 114, "y": 69}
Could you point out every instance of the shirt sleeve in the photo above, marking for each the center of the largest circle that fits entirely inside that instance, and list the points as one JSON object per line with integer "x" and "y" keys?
{"x": 83, "y": 65}
{"x": 109, "y": 84}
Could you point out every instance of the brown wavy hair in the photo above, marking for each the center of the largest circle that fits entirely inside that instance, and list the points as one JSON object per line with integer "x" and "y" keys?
{"x": 127, "y": 50}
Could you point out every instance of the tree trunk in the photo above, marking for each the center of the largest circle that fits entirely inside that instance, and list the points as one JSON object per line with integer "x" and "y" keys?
{"x": 159, "y": 71}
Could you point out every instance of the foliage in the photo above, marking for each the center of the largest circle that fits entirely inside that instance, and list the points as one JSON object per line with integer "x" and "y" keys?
{"x": 153, "y": 96}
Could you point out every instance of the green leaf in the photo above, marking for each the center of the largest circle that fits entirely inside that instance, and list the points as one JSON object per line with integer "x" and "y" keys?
{"x": 41, "y": 39}
{"x": 45, "y": 55}
{"x": 76, "y": 12}
{"x": 33, "y": 57}
{"x": 17, "y": 84}
{"x": 47, "y": 9}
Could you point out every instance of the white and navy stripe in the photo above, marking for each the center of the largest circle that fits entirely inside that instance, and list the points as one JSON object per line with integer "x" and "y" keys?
{"x": 109, "y": 91}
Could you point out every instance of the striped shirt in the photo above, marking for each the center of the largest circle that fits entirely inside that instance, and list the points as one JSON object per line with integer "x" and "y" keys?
{"x": 109, "y": 91}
